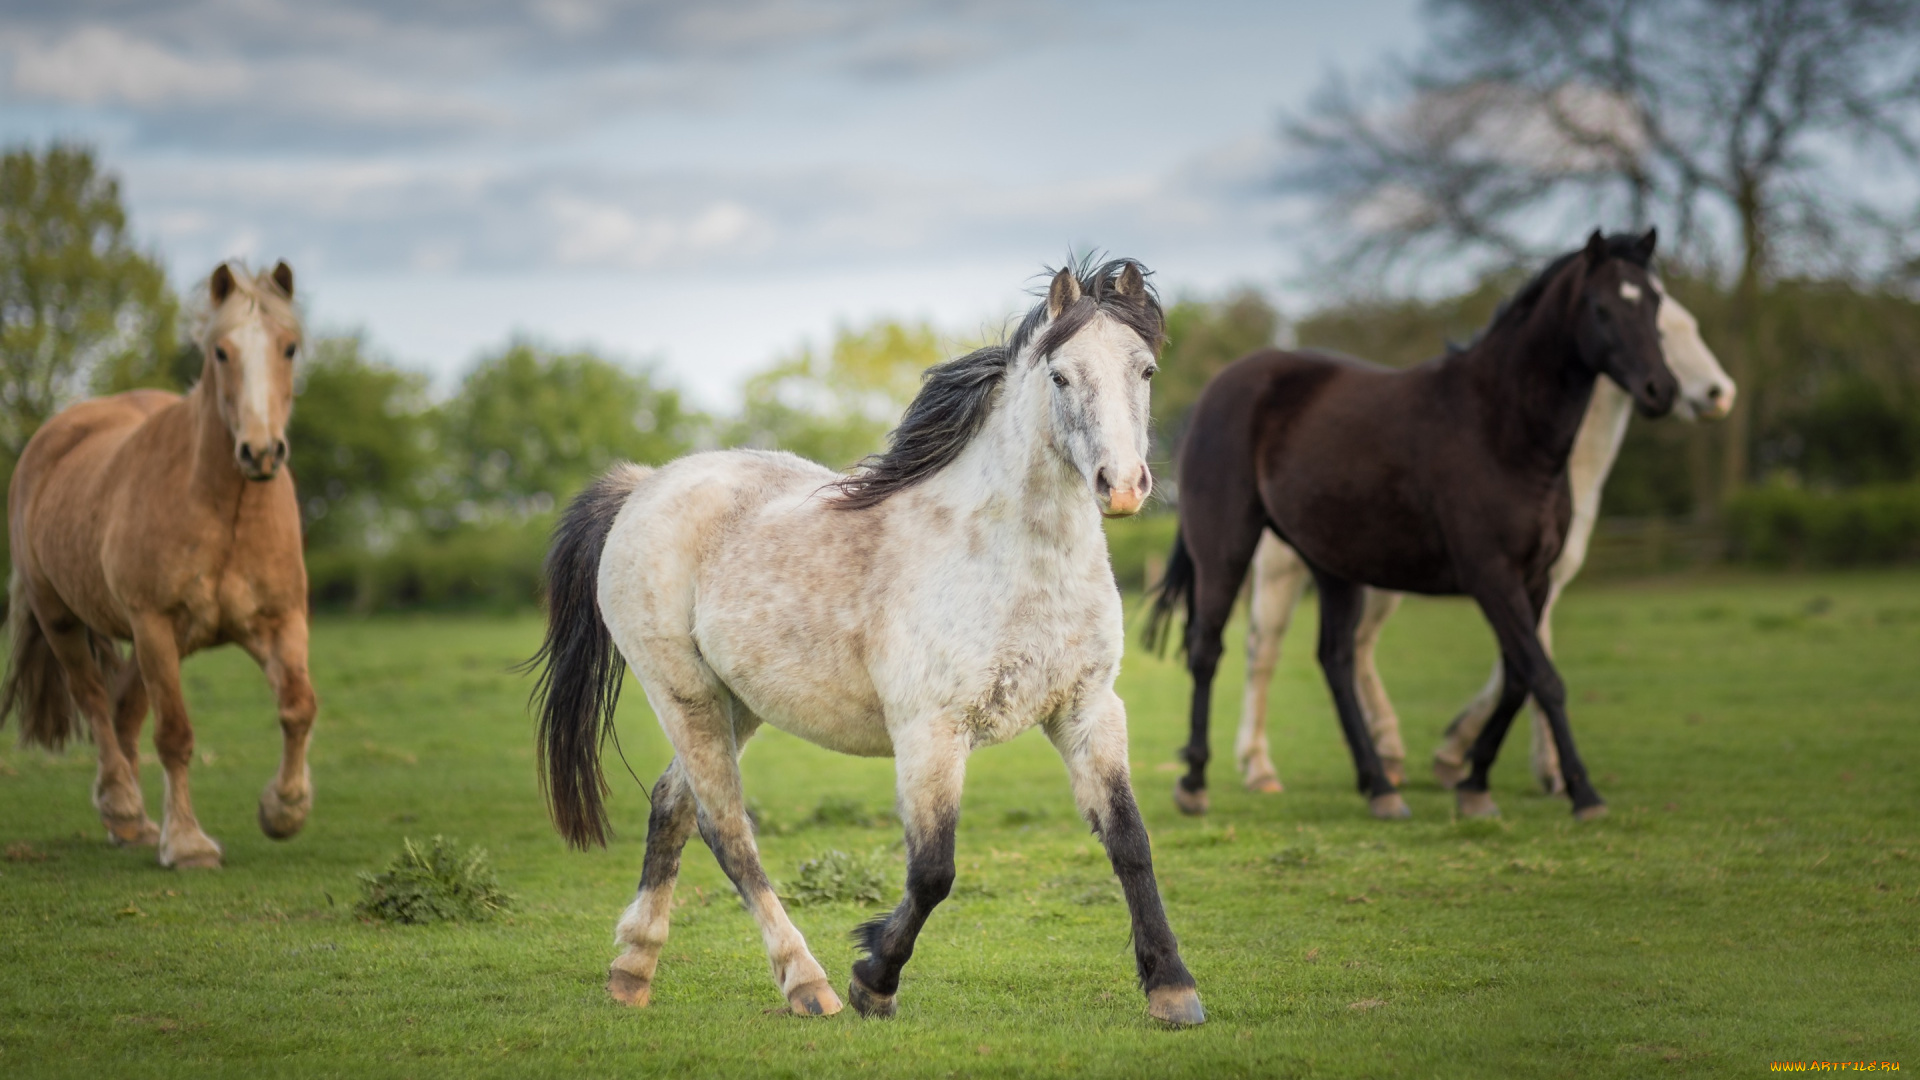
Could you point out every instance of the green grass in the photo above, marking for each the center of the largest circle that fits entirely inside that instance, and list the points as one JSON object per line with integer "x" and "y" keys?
{"x": 1754, "y": 896}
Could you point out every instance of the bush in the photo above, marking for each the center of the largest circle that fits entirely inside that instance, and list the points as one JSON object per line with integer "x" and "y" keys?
{"x": 493, "y": 569}
{"x": 440, "y": 884}
{"x": 837, "y": 877}
{"x": 1783, "y": 526}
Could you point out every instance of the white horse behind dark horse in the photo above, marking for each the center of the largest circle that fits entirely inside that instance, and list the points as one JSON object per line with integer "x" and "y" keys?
{"x": 1279, "y": 579}
{"x": 951, "y": 594}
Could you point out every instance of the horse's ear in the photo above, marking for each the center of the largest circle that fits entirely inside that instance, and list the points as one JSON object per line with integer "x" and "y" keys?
{"x": 1063, "y": 293}
{"x": 1131, "y": 285}
{"x": 283, "y": 277}
{"x": 1643, "y": 247}
{"x": 1596, "y": 251}
{"x": 220, "y": 285}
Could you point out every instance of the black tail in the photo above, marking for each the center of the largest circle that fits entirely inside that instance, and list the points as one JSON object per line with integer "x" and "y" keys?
{"x": 581, "y": 670}
{"x": 1175, "y": 590}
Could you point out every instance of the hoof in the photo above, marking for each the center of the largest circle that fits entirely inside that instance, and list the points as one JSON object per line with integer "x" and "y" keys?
{"x": 1191, "y": 803}
{"x": 1590, "y": 813}
{"x": 1178, "y": 1006}
{"x": 196, "y": 852}
{"x": 867, "y": 1003}
{"x": 1267, "y": 784}
{"x": 141, "y": 833}
{"x": 1396, "y": 771}
{"x": 1475, "y": 804}
{"x": 1390, "y": 807}
{"x": 628, "y": 988}
{"x": 813, "y": 999}
{"x": 1551, "y": 783}
{"x": 1450, "y": 773}
{"x": 280, "y": 819}
{"x": 202, "y": 860}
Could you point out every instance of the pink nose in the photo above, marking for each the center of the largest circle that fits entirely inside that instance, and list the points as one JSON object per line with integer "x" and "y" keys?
{"x": 1120, "y": 502}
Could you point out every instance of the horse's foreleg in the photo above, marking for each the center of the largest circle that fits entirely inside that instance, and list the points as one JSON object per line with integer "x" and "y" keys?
{"x": 116, "y": 783}
{"x": 930, "y": 766}
{"x": 1470, "y": 793}
{"x": 1383, "y": 724}
{"x": 643, "y": 929}
{"x": 182, "y": 842}
{"x": 1546, "y": 759}
{"x": 1093, "y": 743}
{"x": 1341, "y": 602}
{"x": 129, "y": 716}
{"x": 703, "y": 737}
{"x": 288, "y": 797}
{"x": 1279, "y": 577}
{"x": 1453, "y": 759}
{"x": 1515, "y": 621}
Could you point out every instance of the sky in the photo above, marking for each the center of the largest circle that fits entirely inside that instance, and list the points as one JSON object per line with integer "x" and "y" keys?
{"x": 700, "y": 186}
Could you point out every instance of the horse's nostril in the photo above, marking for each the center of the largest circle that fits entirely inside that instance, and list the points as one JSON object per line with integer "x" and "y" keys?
{"x": 280, "y": 449}
{"x": 1713, "y": 393}
{"x": 1100, "y": 482}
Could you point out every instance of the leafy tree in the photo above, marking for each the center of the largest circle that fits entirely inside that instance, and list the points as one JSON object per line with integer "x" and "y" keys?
{"x": 81, "y": 308}
{"x": 363, "y": 445}
{"x": 529, "y": 427}
{"x": 1202, "y": 338}
{"x": 1738, "y": 125}
{"x": 837, "y": 407}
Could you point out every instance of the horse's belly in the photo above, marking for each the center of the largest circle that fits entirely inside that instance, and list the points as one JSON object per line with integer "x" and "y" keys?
{"x": 841, "y": 718}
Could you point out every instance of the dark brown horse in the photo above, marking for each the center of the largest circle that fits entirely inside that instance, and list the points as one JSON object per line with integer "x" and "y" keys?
{"x": 1449, "y": 478}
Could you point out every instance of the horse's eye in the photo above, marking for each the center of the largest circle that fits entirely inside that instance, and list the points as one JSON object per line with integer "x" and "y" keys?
{"x": 1059, "y": 379}
{"x": 220, "y": 354}
{"x": 290, "y": 351}
{"x": 1148, "y": 373}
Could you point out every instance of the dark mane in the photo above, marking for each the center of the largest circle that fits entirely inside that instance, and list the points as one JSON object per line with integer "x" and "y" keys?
{"x": 956, "y": 397}
{"x": 1518, "y": 308}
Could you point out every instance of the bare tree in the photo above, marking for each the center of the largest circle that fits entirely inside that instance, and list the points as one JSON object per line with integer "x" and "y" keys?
{"x": 1748, "y": 129}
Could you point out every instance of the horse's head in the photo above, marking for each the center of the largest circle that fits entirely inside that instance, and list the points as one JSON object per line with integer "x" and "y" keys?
{"x": 1097, "y": 353}
{"x": 251, "y": 338}
{"x": 1706, "y": 390}
{"x": 1617, "y": 323}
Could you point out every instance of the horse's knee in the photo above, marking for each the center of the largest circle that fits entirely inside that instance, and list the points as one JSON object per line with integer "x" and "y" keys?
{"x": 931, "y": 883}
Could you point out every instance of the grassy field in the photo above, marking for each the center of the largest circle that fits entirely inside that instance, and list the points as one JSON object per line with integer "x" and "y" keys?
{"x": 1754, "y": 897}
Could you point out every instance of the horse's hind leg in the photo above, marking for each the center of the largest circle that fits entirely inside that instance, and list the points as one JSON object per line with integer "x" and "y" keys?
{"x": 282, "y": 655}
{"x": 1341, "y": 602}
{"x": 116, "y": 787}
{"x": 1279, "y": 577}
{"x": 643, "y": 929}
{"x": 129, "y": 716}
{"x": 1472, "y": 798}
{"x": 1515, "y": 621}
{"x": 1453, "y": 759}
{"x": 703, "y": 735}
{"x": 1093, "y": 743}
{"x": 1383, "y": 723}
{"x": 182, "y": 842}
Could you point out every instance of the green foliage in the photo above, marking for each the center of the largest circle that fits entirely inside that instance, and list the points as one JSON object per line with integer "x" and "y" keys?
{"x": 81, "y": 308}
{"x": 1203, "y": 337}
{"x": 493, "y": 567}
{"x": 837, "y": 408}
{"x": 363, "y": 445}
{"x": 442, "y": 883}
{"x": 1138, "y": 546}
{"x": 530, "y": 427}
{"x": 1779, "y": 525}
{"x": 1404, "y": 331}
{"x": 839, "y": 877}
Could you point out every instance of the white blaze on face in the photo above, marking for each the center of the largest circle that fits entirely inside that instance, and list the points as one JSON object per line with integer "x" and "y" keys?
{"x": 253, "y": 361}
{"x": 1630, "y": 292}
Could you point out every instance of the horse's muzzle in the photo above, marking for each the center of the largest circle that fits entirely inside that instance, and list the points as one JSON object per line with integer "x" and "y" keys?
{"x": 261, "y": 463}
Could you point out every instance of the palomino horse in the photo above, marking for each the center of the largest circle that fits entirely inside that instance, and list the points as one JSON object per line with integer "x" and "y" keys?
{"x": 1279, "y": 579}
{"x": 170, "y": 521}
{"x": 950, "y": 594}
{"x": 1447, "y": 478}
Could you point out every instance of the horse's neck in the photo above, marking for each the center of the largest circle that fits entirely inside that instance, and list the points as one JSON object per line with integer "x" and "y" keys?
{"x": 1012, "y": 483}
{"x": 1537, "y": 390}
{"x": 1596, "y": 448}
{"x": 216, "y": 477}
